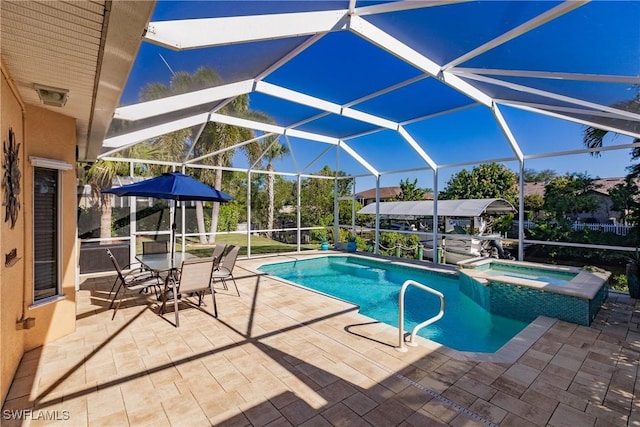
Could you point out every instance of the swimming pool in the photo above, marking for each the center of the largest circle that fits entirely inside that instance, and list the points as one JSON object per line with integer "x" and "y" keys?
{"x": 552, "y": 275}
{"x": 525, "y": 290}
{"x": 498, "y": 269}
{"x": 374, "y": 287}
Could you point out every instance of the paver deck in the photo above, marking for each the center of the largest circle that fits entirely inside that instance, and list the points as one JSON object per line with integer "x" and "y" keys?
{"x": 280, "y": 355}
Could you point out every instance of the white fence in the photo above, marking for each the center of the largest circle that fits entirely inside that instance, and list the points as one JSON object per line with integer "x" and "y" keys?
{"x": 619, "y": 229}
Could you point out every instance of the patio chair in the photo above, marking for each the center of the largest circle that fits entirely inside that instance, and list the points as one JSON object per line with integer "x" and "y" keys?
{"x": 218, "y": 252}
{"x": 225, "y": 269}
{"x": 136, "y": 270}
{"x": 194, "y": 278}
{"x": 155, "y": 247}
{"x": 139, "y": 280}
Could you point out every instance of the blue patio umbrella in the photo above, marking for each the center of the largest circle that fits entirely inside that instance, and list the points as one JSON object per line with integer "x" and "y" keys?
{"x": 172, "y": 186}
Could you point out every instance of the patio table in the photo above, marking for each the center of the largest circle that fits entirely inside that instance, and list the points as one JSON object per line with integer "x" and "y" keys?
{"x": 161, "y": 263}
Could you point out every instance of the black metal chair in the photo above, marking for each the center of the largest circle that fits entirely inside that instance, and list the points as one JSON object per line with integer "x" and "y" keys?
{"x": 155, "y": 247}
{"x": 135, "y": 280}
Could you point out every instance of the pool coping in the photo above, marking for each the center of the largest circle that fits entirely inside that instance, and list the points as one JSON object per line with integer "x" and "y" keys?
{"x": 511, "y": 351}
{"x": 586, "y": 284}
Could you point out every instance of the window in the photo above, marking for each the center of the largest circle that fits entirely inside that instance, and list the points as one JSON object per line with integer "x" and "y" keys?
{"x": 47, "y": 229}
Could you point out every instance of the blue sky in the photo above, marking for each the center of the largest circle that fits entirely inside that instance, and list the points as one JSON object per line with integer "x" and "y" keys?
{"x": 467, "y": 135}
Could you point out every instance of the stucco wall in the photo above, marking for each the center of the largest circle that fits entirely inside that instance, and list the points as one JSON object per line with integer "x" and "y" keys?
{"x": 53, "y": 136}
{"x": 41, "y": 133}
{"x": 11, "y": 278}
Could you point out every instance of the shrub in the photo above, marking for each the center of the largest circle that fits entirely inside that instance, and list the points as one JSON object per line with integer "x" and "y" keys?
{"x": 619, "y": 282}
{"x": 389, "y": 240}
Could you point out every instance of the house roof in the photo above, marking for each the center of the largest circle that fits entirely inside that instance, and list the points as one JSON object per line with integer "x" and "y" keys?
{"x": 602, "y": 185}
{"x": 84, "y": 47}
{"x": 385, "y": 193}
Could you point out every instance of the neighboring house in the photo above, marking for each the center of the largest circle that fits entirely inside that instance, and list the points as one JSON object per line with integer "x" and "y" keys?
{"x": 604, "y": 214}
{"x": 387, "y": 194}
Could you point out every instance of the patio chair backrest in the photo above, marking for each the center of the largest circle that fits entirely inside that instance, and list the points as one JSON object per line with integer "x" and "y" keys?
{"x": 155, "y": 247}
{"x": 116, "y": 265}
{"x": 229, "y": 260}
{"x": 218, "y": 250}
{"x": 218, "y": 253}
{"x": 195, "y": 274}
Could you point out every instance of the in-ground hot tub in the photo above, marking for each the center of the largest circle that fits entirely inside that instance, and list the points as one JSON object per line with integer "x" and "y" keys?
{"x": 524, "y": 290}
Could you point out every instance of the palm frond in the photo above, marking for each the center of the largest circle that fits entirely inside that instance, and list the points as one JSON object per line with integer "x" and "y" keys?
{"x": 594, "y": 138}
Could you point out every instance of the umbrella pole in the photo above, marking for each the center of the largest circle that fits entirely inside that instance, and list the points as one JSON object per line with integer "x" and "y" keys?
{"x": 173, "y": 234}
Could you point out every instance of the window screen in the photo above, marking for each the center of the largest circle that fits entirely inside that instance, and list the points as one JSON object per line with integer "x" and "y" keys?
{"x": 45, "y": 231}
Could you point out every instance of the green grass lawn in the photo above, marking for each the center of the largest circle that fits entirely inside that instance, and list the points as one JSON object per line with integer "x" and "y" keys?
{"x": 259, "y": 245}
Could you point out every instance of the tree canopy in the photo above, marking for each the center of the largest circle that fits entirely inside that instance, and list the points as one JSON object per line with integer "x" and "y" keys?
{"x": 532, "y": 175}
{"x": 489, "y": 180}
{"x": 623, "y": 200}
{"x": 533, "y": 203}
{"x": 410, "y": 191}
{"x": 569, "y": 195}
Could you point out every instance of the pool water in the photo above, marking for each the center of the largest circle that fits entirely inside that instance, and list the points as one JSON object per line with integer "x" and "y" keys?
{"x": 374, "y": 286}
{"x": 496, "y": 269}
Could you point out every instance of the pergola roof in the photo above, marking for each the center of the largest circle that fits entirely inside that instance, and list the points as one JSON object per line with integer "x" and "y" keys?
{"x": 457, "y": 208}
{"x": 366, "y": 78}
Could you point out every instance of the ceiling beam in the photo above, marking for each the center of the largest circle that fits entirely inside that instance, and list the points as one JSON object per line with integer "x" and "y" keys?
{"x": 297, "y": 97}
{"x": 223, "y": 150}
{"x": 397, "y": 6}
{"x": 160, "y": 106}
{"x": 358, "y": 158}
{"x": 581, "y": 151}
{"x": 558, "y": 108}
{"x": 392, "y": 45}
{"x": 134, "y": 137}
{"x": 504, "y": 126}
{"x": 539, "y": 20}
{"x": 417, "y": 148}
{"x": 321, "y": 104}
{"x": 571, "y": 119}
{"x": 397, "y": 48}
{"x": 209, "y": 32}
{"x": 552, "y": 75}
{"x": 552, "y": 95}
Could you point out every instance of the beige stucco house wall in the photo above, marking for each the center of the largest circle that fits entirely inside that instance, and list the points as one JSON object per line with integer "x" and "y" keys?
{"x": 51, "y": 135}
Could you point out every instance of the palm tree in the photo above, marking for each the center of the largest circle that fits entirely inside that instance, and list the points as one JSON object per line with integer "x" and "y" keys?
{"x": 274, "y": 151}
{"x": 218, "y": 137}
{"x": 100, "y": 177}
{"x": 594, "y": 137}
{"x": 214, "y": 137}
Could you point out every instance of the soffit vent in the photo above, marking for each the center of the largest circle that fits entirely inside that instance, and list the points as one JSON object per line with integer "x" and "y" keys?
{"x": 53, "y": 96}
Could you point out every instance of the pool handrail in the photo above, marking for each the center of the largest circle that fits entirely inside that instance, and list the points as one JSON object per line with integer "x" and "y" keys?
{"x": 401, "y": 346}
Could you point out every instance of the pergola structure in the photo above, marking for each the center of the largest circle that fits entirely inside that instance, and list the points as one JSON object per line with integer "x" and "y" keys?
{"x": 358, "y": 80}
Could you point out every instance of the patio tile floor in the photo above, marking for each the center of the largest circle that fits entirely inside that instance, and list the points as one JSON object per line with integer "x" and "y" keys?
{"x": 279, "y": 355}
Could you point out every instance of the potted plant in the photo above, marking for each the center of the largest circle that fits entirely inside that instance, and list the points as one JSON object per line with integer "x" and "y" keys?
{"x": 632, "y": 270}
{"x": 352, "y": 245}
{"x": 324, "y": 241}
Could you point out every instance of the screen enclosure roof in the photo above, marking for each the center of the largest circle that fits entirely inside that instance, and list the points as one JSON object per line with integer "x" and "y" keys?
{"x": 385, "y": 87}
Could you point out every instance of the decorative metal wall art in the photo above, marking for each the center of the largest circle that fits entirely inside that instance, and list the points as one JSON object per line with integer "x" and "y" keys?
{"x": 11, "y": 179}
{"x": 11, "y": 258}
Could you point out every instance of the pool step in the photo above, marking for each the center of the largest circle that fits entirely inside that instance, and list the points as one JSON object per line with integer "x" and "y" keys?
{"x": 363, "y": 271}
